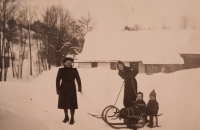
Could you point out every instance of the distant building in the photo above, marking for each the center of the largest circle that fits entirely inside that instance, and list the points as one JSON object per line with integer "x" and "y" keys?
{"x": 191, "y": 51}
{"x": 148, "y": 51}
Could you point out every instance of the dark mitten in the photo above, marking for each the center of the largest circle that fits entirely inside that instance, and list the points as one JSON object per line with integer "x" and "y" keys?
{"x": 58, "y": 92}
{"x": 79, "y": 90}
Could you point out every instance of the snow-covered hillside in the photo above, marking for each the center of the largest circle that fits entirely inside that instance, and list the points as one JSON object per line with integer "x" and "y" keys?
{"x": 33, "y": 105}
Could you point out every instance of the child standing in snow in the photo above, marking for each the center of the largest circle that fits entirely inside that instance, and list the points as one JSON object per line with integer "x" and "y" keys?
{"x": 152, "y": 108}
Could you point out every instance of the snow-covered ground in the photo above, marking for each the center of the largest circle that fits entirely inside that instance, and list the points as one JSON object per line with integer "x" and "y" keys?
{"x": 32, "y": 105}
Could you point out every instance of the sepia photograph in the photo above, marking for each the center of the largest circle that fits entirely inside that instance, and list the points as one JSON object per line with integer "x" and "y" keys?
{"x": 99, "y": 64}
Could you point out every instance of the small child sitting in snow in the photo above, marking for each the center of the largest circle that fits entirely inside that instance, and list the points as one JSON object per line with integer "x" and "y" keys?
{"x": 152, "y": 108}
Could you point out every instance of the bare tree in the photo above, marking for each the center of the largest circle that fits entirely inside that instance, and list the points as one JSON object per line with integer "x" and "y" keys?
{"x": 184, "y": 22}
{"x": 11, "y": 37}
{"x": 29, "y": 13}
{"x": 80, "y": 28}
{"x": 85, "y": 25}
{"x": 37, "y": 37}
{"x": 137, "y": 27}
{"x": 165, "y": 27}
{"x": 50, "y": 20}
{"x": 60, "y": 29}
{"x": 7, "y": 11}
{"x": 127, "y": 28}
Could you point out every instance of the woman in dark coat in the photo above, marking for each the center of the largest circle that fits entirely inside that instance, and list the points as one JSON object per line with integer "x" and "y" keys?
{"x": 67, "y": 89}
{"x": 130, "y": 87}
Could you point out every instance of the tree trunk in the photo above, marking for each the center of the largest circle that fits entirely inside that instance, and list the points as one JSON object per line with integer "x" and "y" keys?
{"x": 6, "y": 61}
{"x": 23, "y": 57}
{"x": 5, "y": 73}
{"x": 0, "y": 58}
{"x": 48, "y": 56}
{"x": 16, "y": 71}
{"x": 2, "y": 49}
{"x": 43, "y": 64}
{"x": 29, "y": 38}
{"x": 57, "y": 59}
{"x": 12, "y": 59}
{"x": 38, "y": 55}
{"x": 21, "y": 68}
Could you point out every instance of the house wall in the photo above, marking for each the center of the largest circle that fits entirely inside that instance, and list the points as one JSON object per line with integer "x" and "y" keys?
{"x": 165, "y": 68}
{"x": 84, "y": 65}
{"x": 103, "y": 65}
{"x": 113, "y": 65}
{"x": 191, "y": 60}
{"x": 141, "y": 67}
{"x": 75, "y": 65}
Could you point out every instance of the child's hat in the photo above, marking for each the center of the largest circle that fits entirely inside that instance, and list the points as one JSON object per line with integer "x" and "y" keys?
{"x": 140, "y": 93}
{"x": 153, "y": 93}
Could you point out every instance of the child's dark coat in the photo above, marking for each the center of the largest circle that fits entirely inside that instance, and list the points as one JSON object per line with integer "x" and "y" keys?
{"x": 141, "y": 108}
{"x": 152, "y": 108}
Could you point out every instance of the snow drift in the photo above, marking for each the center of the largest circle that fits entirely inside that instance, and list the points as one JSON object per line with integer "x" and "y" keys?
{"x": 34, "y": 103}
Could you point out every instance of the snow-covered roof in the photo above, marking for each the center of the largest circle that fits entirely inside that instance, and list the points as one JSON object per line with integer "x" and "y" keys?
{"x": 150, "y": 47}
{"x": 193, "y": 44}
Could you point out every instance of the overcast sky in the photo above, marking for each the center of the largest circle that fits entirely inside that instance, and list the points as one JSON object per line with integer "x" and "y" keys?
{"x": 115, "y": 14}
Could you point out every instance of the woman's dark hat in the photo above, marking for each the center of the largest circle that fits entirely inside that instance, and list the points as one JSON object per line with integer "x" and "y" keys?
{"x": 67, "y": 59}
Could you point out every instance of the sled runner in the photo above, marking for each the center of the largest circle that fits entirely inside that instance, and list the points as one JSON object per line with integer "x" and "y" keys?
{"x": 132, "y": 117}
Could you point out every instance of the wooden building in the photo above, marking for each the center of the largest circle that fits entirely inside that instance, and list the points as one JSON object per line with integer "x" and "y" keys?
{"x": 191, "y": 51}
{"x": 148, "y": 51}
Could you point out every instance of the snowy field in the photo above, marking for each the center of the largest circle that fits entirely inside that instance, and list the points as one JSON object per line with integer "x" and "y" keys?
{"x": 32, "y": 105}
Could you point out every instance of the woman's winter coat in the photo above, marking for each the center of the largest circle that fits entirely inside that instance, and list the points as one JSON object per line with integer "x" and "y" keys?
{"x": 130, "y": 87}
{"x": 67, "y": 88}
